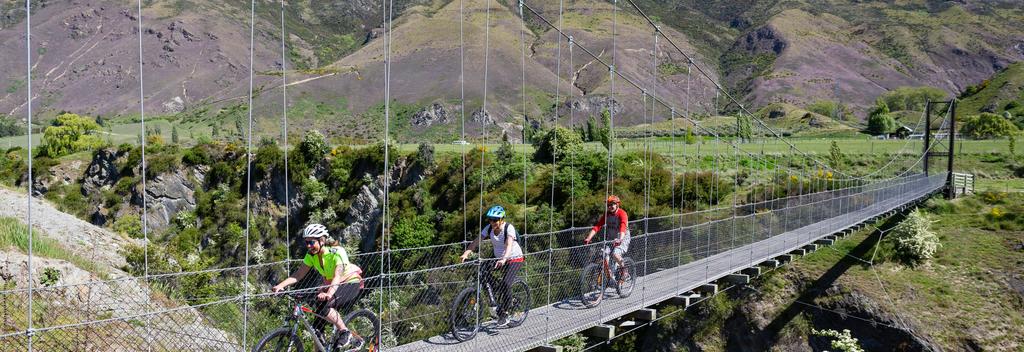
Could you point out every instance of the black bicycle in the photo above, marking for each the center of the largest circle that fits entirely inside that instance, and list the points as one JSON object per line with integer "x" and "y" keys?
{"x": 600, "y": 274}
{"x": 289, "y": 337}
{"x": 467, "y": 313}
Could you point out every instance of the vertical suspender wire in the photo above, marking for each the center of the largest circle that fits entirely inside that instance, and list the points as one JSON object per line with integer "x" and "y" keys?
{"x": 647, "y": 188}
{"x": 714, "y": 190}
{"x": 145, "y": 221}
{"x": 462, "y": 104}
{"x": 383, "y": 244}
{"x": 248, "y": 178}
{"x": 526, "y": 213}
{"x": 554, "y": 168}
{"x": 611, "y": 141}
{"x": 284, "y": 137}
{"x": 389, "y": 10}
{"x": 28, "y": 78}
{"x": 142, "y": 115}
{"x": 736, "y": 180}
{"x": 677, "y": 232}
{"x": 682, "y": 188}
{"x": 572, "y": 156}
{"x": 483, "y": 109}
{"x": 762, "y": 167}
{"x": 647, "y": 169}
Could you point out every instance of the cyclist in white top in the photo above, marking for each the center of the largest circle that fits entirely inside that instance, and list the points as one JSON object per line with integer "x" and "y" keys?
{"x": 510, "y": 256}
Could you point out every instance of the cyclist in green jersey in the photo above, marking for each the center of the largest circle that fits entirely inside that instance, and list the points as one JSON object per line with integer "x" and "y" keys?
{"x": 342, "y": 279}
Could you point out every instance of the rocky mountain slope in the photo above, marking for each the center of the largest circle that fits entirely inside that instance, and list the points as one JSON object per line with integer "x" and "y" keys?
{"x": 85, "y": 56}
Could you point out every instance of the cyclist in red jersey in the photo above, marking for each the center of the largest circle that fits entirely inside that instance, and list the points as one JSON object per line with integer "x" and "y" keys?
{"x": 616, "y": 223}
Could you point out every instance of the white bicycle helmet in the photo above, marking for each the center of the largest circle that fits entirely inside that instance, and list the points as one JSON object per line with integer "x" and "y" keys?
{"x": 314, "y": 231}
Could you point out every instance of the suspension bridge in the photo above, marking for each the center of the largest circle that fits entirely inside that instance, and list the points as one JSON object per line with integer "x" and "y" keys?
{"x": 796, "y": 204}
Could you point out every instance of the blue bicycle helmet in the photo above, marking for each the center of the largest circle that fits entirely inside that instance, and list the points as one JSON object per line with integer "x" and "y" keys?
{"x": 496, "y": 212}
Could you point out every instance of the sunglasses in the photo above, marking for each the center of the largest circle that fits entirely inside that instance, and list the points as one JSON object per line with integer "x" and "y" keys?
{"x": 310, "y": 243}
{"x": 493, "y": 219}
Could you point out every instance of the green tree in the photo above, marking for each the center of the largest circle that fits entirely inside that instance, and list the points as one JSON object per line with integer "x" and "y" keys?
{"x": 69, "y": 133}
{"x": 881, "y": 108}
{"x": 557, "y": 143}
{"x": 1012, "y": 144}
{"x": 505, "y": 153}
{"x": 988, "y": 125}
{"x": 603, "y": 133}
{"x": 174, "y": 134}
{"x": 832, "y": 109}
{"x": 744, "y": 130}
{"x": 836, "y": 157}
{"x": 881, "y": 123}
{"x": 911, "y": 98}
{"x": 690, "y": 138}
{"x": 8, "y": 127}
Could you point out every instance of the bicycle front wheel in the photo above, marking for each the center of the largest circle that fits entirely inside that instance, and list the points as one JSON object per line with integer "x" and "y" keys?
{"x": 592, "y": 284}
{"x": 465, "y": 316}
{"x": 519, "y": 303}
{"x": 279, "y": 340}
{"x": 364, "y": 323}
{"x": 626, "y": 278}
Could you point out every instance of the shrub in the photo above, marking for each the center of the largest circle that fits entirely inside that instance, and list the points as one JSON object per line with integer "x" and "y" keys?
{"x": 313, "y": 146}
{"x": 49, "y": 276}
{"x": 196, "y": 155}
{"x": 267, "y": 158}
{"x": 558, "y": 143}
{"x": 702, "y": 188}
{"x": 414, "y": 231}
{"x": 988, "y": 125}
{"x": 914, "y": 240}
{"x": 129, "y": 225}
{"x": 842, "y": 341}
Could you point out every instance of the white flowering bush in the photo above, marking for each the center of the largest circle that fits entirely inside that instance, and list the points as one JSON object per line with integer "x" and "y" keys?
{"x": 913, "y": 239}
{"x": 841, "y": 341}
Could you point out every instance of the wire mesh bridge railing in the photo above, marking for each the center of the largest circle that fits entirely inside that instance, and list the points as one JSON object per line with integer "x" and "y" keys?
{"x": 412, "y": 290}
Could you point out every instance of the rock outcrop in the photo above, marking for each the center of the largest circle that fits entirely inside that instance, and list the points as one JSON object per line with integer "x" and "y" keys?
{"x": 433, "y": 114}
{"x": 64, "y": 173}
{"x": 166, "y": 195}
{"x": 102, "y": 171}
{"x": 364, "y": 215}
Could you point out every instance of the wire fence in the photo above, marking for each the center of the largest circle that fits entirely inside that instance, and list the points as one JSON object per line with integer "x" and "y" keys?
{"x": 672, "y": 254}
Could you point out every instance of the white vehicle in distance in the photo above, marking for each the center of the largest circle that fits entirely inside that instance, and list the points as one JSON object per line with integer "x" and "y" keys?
{"x": 460, "y": 142}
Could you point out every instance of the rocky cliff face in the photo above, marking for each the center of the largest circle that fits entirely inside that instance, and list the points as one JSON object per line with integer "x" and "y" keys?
{"x": 165, "y": 196}
{"x": 364, "y": 215}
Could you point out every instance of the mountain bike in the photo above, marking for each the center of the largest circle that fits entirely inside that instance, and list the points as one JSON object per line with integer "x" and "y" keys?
{"x": 294, "y": 334}
{"x": 602, "y": 273}
{"x": 467, "y": 315}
